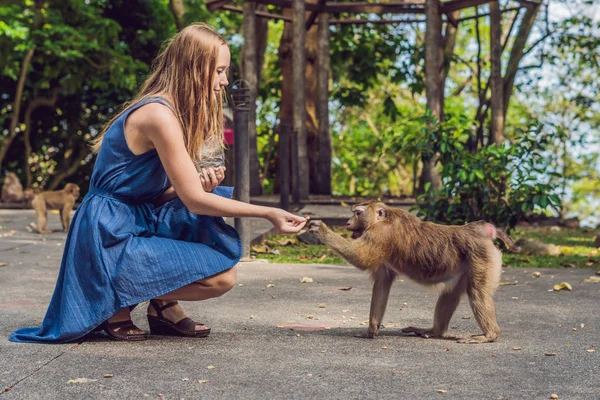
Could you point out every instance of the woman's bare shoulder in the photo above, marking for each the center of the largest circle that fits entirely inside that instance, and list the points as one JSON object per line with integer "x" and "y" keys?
{"x": 152, "y": 115}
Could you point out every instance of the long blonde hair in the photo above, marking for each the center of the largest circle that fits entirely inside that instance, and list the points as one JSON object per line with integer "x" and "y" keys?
{"x": 185, "y": 70}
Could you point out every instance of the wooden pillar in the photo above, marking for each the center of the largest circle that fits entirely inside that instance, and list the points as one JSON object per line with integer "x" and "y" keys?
{"x": 300, "y": 167}
{"x": 433, "y": 67}
{"x": 324, "y": 158}
{"x": 497, "y": 84}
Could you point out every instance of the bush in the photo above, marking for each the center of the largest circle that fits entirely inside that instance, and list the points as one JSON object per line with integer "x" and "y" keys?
{"x": 501, "y": 184}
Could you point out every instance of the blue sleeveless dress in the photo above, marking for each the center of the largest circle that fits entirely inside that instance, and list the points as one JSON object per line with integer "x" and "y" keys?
{"x": 121, "y": 250}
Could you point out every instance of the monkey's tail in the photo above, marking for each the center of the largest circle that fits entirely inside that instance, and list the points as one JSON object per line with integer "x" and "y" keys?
{"x": 508, "y": 242}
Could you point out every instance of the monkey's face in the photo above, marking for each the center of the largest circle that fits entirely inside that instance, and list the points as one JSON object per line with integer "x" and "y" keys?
{"x": 365, "y": 215}
{"x": 73, "y": 190}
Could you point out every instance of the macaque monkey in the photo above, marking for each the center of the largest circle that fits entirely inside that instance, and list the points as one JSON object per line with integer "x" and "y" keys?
{"x": 12, "y": 190}
{"x": 391, "y": 241}
{"x": 62, "y": 200}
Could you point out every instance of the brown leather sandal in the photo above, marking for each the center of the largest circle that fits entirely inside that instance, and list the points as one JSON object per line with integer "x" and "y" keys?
{"x": 160, "y": 325}
{"x": 123, "y": 332}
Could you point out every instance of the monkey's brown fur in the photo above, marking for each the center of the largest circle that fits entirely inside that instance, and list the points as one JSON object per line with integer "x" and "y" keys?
{"x": 62, "y": 200}
{"x": 391, "y": 241}
{"x": 12, "y": 190}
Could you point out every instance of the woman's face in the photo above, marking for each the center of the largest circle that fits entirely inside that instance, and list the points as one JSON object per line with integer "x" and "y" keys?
{"x": 220, "y": 80}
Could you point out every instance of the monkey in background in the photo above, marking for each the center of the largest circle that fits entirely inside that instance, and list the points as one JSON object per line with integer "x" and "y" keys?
{"x": 12, "y": 190}
{"x": 62, "y": 200}
{"x": 391, "y": 241}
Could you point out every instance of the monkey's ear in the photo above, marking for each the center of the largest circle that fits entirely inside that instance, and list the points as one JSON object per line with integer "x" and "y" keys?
{"x": 381, "y": 214}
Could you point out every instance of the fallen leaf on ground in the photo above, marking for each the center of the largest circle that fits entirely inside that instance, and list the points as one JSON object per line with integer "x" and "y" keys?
{"x": 466, "y": 317}
{"x": 108, "y": 375}
{"x": 306, "y": 280}
{"x": 549, "y": 354}
{"x": 590, "y": 350}
{"x": 536, "y": 274}
{"x": 554, "y": 396}
{"x": 322, "y": 306}
{"x": 516, "y": 348}
{"x": 562, "y": 286}
{"x": 508, "y": 283}
{"x": 384, "y": 347}
{"x": 591, "y": 279}
{"x": 598, "y": 272}
{"x": 323, "y": 257}
{"x": 203, "y": 381}
{"x": 270, "y": 285}
{"x": 211, "y": 367}
{"x": 3, "y": 264}
{"x": 344, "y": 204}
{"x": 303, "y": 257}
{"x": 345, "y": 288}
{"x": 286, "y": 242}
{"x": 260, "y": 249}
{"x": 441, "y": 391}
{"x": 81, "y": 380}
{"x": 568, "y": 265}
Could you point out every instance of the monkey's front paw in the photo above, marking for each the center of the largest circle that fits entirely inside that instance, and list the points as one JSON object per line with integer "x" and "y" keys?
{"x": 317, "y": 227}
{"x": 314, "y": 225}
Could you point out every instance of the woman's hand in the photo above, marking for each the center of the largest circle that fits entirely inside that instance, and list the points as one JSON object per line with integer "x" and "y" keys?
{"x": 286, "y": 222}
{"x": 211, "y": 177}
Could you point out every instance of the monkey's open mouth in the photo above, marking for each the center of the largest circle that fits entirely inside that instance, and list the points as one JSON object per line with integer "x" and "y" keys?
{"x": 356, "y": 234}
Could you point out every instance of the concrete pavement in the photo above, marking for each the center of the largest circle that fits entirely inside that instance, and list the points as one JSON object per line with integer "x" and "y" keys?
{"x": 276, "y": 338}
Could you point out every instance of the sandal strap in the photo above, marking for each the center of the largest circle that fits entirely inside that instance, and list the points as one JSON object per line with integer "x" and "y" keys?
{"x": 159, "y": 309}
{"x": 120, "y": 324}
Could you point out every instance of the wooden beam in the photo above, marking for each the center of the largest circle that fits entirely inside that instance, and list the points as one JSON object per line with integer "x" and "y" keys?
{"x": 357, "y": 21}
{"x": 400, "y": 7}
{"x": 260, "y": 14}
{"x": 455, "y": 5}
{"x": 405, "y": 7}
{"x": 487, "y": 14}
{"x": 530, "y": 3}
{"x": 313, "y": 15}
{"x": 213, "y": 5}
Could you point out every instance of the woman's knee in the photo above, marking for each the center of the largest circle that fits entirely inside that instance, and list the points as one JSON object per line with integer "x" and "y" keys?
{"x": 221, "y": 283}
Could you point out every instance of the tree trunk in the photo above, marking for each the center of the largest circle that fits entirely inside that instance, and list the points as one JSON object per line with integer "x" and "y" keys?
{"x": 33, "y": 105}
{"x": 177, "y": 9}
{"x": 249, "y": 73}
{"x": 12, "y": 130}
{"x": 69, "y": 167}
{"x": 323, "y": 173}
{"x": 448, "y": 51}
{"x": 286, "y": 103}
{"x": 516, "y": 53}
{"x": 300, "y": 192}
{"x": 311, "y": 102}
{"x": 433, "y": 87}
{"x": 497, "y": 100}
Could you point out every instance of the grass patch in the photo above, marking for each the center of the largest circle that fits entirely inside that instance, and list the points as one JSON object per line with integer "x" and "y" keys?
{"x": 576, "y": 247}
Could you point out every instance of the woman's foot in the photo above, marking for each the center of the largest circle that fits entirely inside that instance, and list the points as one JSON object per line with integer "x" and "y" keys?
{"x": 120, "y": 327}
{"x": 168, "y": 318}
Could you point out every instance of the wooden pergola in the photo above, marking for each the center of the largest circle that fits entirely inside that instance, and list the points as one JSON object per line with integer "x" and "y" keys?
{"x": 304, "y": 15}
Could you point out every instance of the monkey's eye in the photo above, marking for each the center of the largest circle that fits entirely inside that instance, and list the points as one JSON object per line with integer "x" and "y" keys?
{"x": 357, "y": 212}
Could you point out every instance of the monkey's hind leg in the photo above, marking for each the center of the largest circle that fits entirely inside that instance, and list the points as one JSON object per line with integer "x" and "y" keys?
{"x": 384, "y": 278}
{"x": 444, "y": 308}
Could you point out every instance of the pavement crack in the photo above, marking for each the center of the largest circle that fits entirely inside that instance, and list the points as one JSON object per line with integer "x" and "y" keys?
{"x": 9, "y": 388}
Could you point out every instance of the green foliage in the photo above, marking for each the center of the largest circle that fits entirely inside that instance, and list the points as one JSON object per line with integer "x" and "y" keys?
{"x": 500, "y": 184}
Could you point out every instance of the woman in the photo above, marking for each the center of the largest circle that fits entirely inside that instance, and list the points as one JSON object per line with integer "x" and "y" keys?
{"x": 150, "y": 228}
